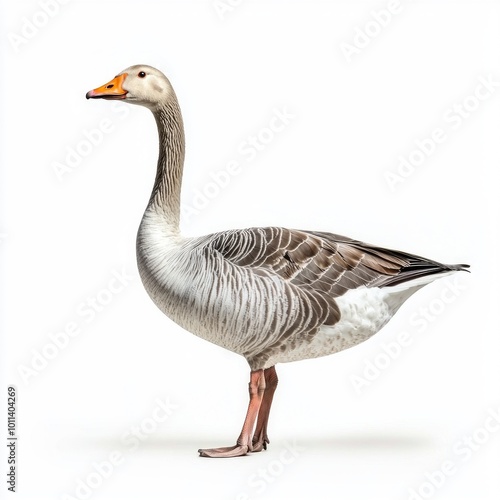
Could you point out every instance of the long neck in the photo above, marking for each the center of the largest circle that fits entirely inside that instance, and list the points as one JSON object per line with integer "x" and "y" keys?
{"x": 166, "y": 195}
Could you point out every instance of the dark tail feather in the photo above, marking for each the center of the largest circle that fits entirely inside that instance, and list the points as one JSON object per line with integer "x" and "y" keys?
{"x": 421, "y": 268}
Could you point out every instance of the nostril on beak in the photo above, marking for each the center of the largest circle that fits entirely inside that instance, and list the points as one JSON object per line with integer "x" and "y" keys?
{"x": 110, "y": 86}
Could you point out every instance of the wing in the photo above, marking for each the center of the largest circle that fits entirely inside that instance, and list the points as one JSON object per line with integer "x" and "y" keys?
{"x": 323, "y": 262}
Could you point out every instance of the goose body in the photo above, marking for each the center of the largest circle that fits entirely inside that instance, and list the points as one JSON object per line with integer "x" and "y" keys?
{"x": 270, "y": 294}
{"x": 245, "y": 290}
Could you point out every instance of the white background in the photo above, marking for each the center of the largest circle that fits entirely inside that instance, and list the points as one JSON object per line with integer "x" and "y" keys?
{"x": 63, "y": 237}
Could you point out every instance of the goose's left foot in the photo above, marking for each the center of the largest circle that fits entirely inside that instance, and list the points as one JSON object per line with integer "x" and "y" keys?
{"x": 256, "y": 388}
{"x": 226, "y": 452}
{"x": 261, "y": 387}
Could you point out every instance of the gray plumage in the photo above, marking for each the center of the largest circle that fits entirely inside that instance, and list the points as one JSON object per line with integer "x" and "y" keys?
{"x": 259, "y": 292}
{"x": 269, "y": 294}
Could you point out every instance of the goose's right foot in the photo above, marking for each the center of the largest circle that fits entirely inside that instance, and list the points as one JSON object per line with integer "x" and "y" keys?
{"x": 260, "y": 444}
{"x": 260, "y": 439}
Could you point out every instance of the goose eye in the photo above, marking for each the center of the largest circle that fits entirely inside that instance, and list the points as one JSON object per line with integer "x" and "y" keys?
{"x": 141, "y": 74}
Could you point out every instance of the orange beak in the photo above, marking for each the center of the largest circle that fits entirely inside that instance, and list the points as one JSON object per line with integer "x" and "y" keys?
{"x": 110, "y": 90}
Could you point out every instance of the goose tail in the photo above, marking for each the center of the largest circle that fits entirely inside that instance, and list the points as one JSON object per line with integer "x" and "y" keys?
{"x": 421, "y": 273}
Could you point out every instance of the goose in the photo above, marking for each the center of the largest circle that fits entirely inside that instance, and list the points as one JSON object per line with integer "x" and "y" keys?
{"x": 270, "y": 294}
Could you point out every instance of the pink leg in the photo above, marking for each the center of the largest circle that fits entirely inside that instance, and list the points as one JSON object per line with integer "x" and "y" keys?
{"x": 244, "y": 444}
{"x": 260, "y": 438}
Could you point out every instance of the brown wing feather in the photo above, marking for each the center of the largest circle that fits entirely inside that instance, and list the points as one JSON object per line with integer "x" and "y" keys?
{"x": 323, "y": 262}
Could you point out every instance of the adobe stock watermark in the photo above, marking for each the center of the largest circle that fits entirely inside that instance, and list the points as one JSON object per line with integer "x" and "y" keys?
{"x": 32, "y": 25}
{"x": 453, "y": 118}
{"x": 86, "y": 311}
{"x": 223, "y": 7}
{"x": 266, "y": 475}
{"x": 462, "y": 451}
{"x": 89, "y": 140}
{"x": 248, "y": 150}
{"x": 364, "y": 35}
{"x": 419, "y": 321}
{"x": 131, "y": 440}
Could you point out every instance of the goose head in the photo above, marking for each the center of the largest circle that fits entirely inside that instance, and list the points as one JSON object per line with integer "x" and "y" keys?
{"x": 139, "y": 84}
